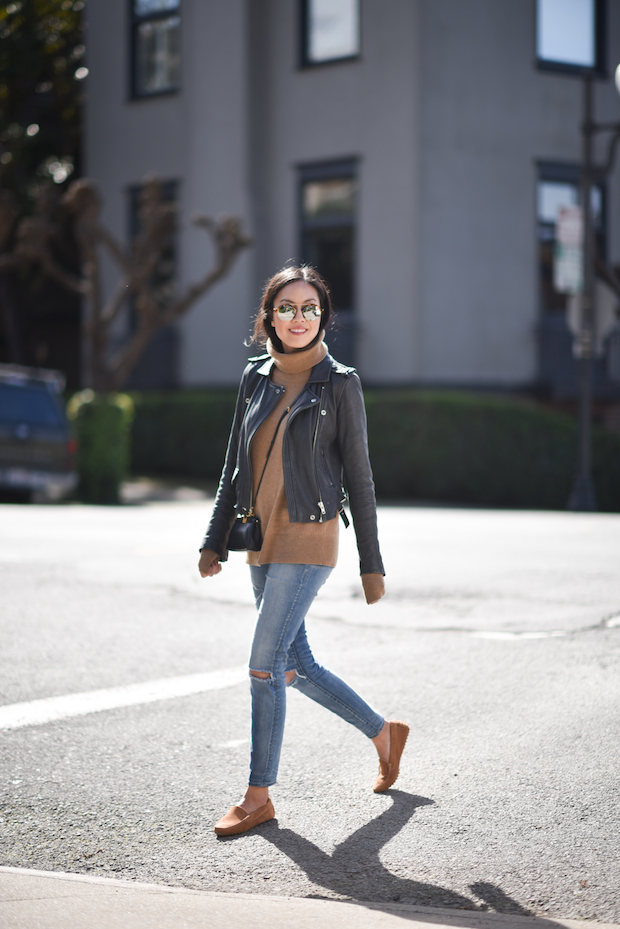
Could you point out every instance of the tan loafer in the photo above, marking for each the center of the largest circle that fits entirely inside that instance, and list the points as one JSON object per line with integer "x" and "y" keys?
{"x": 237, "y": 820}
{"x": 388, "y": 770}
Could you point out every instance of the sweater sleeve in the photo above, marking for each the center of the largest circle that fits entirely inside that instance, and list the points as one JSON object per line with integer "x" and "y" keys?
{"x": 374, "y": 587}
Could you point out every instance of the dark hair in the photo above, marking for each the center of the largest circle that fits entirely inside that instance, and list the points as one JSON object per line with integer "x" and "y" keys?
{"x": 263, "y": 324}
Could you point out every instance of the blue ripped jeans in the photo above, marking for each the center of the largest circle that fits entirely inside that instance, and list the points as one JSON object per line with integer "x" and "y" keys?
{"x": 284, "y": 594}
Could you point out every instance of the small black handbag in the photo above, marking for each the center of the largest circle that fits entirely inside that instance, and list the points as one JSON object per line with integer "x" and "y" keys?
{"x": 246, "y": 534}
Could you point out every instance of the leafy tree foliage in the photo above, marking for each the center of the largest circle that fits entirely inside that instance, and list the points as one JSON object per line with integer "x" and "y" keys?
{"x": 53, "y": 311}
{"x": 41, "y": 84}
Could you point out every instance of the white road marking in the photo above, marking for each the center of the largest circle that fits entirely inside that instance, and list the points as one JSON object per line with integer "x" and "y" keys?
{"x": 50, "y": 709}
{"x": 511, "y": 636}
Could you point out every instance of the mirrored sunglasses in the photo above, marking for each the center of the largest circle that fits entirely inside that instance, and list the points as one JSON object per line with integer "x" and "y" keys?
{"x": 309, "y": 311}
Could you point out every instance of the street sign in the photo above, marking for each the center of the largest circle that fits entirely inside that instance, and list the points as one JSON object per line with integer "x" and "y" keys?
{"x": 605, "y": 317}
{"x": 568, "y": 256}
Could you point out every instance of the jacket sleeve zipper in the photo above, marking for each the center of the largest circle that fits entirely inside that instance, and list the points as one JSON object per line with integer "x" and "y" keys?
{"x": 320, "y": 504}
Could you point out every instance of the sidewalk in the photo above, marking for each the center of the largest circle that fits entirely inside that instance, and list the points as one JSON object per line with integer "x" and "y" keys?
{"x": 48, "y": 900}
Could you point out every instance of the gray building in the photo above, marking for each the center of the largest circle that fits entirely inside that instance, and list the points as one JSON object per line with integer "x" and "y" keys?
{"x": 416, "y": 151}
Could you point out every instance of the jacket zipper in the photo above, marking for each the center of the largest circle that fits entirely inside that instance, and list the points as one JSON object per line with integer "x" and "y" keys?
{"x": 321, "y": 505}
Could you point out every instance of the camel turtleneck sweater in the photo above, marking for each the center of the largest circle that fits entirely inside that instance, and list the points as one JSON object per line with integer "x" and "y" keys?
{"x": 285, "y": 542}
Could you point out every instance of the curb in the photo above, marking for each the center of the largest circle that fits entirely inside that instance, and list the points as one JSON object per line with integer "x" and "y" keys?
{"x": 59, "y": 900}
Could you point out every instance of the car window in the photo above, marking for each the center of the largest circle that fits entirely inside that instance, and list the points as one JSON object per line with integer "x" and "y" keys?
{"x": 28, "y": 404}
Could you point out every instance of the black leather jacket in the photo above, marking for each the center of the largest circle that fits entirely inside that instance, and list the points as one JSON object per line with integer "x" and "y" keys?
{"x": 324, "y": 451}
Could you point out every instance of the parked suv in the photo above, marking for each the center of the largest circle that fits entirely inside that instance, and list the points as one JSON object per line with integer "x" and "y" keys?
{"x": 37, "y": 447}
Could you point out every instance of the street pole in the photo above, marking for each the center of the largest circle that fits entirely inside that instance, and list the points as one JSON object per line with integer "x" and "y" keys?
{"x": 582, "y": 495}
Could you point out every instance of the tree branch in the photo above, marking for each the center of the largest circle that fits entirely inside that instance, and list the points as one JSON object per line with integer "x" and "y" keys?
{"x": 152, "y": 306}
{"x": 228, "y": 240}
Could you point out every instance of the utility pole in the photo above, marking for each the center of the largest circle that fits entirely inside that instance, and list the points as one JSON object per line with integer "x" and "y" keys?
{"x": 582, "y": 495}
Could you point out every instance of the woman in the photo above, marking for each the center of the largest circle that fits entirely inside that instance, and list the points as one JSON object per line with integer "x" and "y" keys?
{"x": 298, "y": 435}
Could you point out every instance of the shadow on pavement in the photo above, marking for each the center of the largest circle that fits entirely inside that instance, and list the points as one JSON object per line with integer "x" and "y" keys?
{"x": 355, "y": 870}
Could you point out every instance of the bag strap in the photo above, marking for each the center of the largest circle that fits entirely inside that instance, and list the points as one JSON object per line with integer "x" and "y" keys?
{"x": 286, "y": 411}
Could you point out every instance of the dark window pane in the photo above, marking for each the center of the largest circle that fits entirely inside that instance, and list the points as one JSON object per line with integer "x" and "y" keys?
{"x": 157, "y": 55}
{"x": 330, "y": 251}
{"x": 28, "y": 404}
{"x": 332, "y": 30}
{"x": 329, "y": 198}
{"x": 552, "y": 301}
{"x": 566, "y": 32}
{"x": 552, "y": 197}
{"x": 328, "y": 206}
{"x": 144, "y": 7}
{"x": 163, "y": 280}
{"x": 157, "y": 368}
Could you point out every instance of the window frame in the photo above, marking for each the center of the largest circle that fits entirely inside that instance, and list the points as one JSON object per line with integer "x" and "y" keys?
{"x": 343, "y": 337}
{"x": 599, "y": 69}
{"x": 557, "y": 365}
{"x": 165, "y": 344}
{"x": 342, "y": 168}
{"x": 554, "y": 172}
{"x": 135, "y": 21}
{"x": 305, "y": 62}
{"x": 170, "y": 194}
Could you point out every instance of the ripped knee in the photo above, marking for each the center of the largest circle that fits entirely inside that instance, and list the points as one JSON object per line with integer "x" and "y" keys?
{"x": 289, "y": 676}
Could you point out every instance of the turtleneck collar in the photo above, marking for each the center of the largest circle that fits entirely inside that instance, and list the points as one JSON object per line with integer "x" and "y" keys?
{"x": 296, "y": 362}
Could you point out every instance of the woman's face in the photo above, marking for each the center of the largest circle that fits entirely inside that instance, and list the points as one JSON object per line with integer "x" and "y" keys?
{"x": 298, "y": 332}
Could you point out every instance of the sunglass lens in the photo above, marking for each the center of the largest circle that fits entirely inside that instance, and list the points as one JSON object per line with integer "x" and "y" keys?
{"x": 287, "y": 312}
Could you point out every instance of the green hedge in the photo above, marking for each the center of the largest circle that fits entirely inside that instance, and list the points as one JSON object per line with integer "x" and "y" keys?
{"x": 485, "y": 451}
{"x": 425, "y": 445}
{"x": 102, "y": 426}
{"x": 182, "y": 432}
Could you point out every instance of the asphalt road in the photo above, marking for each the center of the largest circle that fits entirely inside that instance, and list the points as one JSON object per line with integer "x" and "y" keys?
{"x": 499, "y": 641}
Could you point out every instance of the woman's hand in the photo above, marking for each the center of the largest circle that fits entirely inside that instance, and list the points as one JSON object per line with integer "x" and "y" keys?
{"x": 209, "y": 564}
{"x": 374, "y": 587}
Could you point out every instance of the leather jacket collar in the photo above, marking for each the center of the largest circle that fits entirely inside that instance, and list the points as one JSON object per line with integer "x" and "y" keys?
{"x": 320, "y": 372}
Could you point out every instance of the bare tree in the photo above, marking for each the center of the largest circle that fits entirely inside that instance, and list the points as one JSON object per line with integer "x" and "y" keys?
{"x": 106, "y": 369}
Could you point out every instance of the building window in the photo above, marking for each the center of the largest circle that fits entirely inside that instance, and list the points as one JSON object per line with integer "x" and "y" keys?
{"x": 328, "y": 207}
{"x": 164, "y": 277}
{"x": 155, "y": 66}
{"x": 569, "y": 35}
{"x": 158, "y": 366}
{"x": 330, "y": 30}
{"x": 558, "y": 187}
